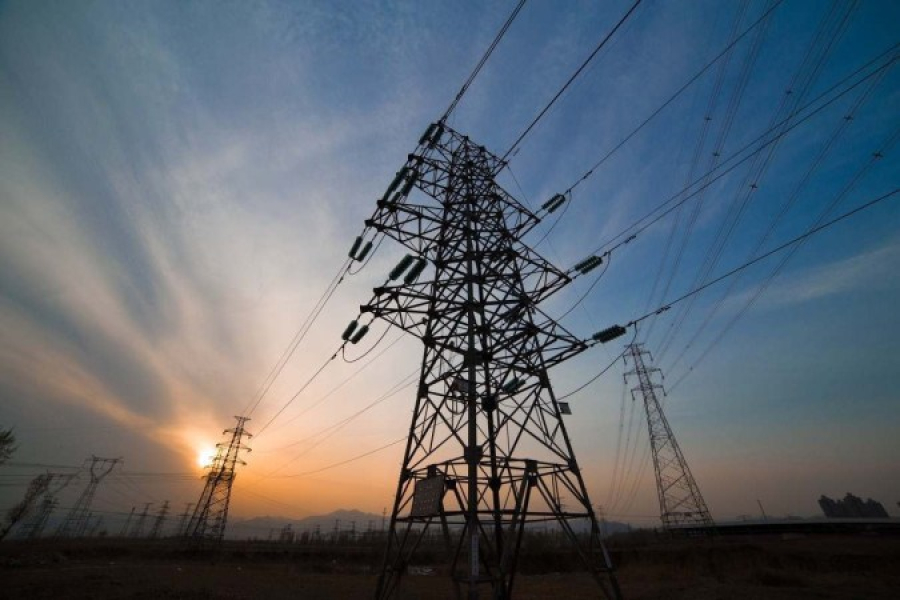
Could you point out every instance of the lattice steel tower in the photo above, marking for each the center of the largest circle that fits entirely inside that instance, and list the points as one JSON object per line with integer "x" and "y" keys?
{"x": 138, "y": 529}
{"x": 681, "y": 504}
{"x": 34, "y": 526}
{"x": 36, "y": 488}
{"x": 487, "y": 451}
{"x": 76, "y": 521}
{"x": 160, "y": 520}
{"x": 211, "y": 513}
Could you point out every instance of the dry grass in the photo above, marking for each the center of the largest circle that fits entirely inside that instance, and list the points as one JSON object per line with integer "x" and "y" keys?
{"x": 771, "y": 568}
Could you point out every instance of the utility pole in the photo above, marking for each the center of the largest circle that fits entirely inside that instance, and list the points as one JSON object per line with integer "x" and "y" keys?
{"x": 138, "y": 529}
{"x": 487, "y": 450}
{"x": 160, "y": 519}
{"x": 207, "y": 524}
{"x": 680, "y": 502}
{"x": 76, "y": 521}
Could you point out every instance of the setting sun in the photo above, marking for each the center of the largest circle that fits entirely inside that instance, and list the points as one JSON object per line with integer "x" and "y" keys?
{"x": 205, "y": 457}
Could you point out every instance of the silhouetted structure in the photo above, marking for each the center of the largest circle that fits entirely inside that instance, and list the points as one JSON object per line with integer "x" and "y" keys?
{"x": 488, "y": 451}
{"x": 680, "y": 501}
{"x": 852, "y": 507}
{"x": 35, "y": 525}
{"x": 35, "y": 490}
{"x": 183, "y": 519}
{"x": 160, "y": 520}
{"x": 138, "y": 529}
{"x": 76, "y": 522}
{"x": 211, "y": 513}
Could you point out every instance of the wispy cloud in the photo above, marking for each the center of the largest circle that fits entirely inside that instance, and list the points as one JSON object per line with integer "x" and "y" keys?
{"x": 871, "y": 270}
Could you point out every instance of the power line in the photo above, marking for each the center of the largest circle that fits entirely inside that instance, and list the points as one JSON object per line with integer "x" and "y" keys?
{"x": 341, "y": 384}
{"x": 571, "y": 79}
{"x": 299, "y": 336}
{"x": 484, "y": 59}
{"x": 803, "y": 79}
{"x": 672, "y": 98}
{"x": 695, "y": 162}
{"x": 651, "y": 217}
{"x": 297, "y": 393}
{"x": 334, "y": 428}
{"x": 749, "y": 263}
{"x": 777, "y": 270}
{"x": 344, "y": 462}
{"x": 789, "y": 203}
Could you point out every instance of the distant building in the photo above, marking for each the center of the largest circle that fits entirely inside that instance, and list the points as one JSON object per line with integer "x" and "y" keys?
{"x": 852, "y": 507}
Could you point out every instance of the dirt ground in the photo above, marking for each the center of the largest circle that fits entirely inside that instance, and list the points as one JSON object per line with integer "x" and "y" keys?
{"x": 772, "y": 568}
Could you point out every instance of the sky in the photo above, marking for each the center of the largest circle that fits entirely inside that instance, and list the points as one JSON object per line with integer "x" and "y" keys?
{"x": 179, "y": 182}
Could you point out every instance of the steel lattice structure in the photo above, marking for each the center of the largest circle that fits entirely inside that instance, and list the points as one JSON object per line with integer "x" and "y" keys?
{"x": 160, "y": 520}
{"x": 181, "y": 529}
{"x": 36, "y": 488}
{"x": 488, "y": 452}
{"x": 138, "y": 529}
{"x": 211, "y": 512}
{"x": 681, "y": 505}
{"x": 34, "y": 526}
{"x": 76, "y": 521}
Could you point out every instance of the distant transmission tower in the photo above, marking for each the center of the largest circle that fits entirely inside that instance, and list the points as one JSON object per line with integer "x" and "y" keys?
{"x": 211, "y": 513}
{"x": 34, "y": 526}
{"x": 23, "y": 509}
{"x": 183, "y": 519}
{"x": 128, "y": 522}
{"x": 76, "y": 521}
{"x": 681, "y": 504}
{"x": 160, "y": 519}
{"x": 138, "y": 529}
{"x": 487, "y": 452}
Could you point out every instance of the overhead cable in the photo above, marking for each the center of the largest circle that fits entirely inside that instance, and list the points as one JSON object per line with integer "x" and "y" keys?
{"x": 484, "y": 59}
{"x": 571, "y": 80}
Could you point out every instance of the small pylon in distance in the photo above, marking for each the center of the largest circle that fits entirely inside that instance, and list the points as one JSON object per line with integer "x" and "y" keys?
{"x": 207, "y": 524}
{"x": 681, "y": 505}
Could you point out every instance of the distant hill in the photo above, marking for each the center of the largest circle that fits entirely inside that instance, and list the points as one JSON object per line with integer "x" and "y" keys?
{"x": 344, "y": 520}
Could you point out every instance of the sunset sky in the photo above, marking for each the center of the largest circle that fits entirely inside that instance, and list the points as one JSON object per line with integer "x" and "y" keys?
{"x": 179, "y": 182}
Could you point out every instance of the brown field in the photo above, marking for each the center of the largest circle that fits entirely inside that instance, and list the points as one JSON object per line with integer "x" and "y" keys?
{"x": 764, "y": 568}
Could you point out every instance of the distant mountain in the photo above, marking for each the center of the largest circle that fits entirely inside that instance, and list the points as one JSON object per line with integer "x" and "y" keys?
{"x": 343, "y": 520}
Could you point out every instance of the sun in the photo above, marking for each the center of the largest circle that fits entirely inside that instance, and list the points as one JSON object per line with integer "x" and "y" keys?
{"x": 205, "y": 457}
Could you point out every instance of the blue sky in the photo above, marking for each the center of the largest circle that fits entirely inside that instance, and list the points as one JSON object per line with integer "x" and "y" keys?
{"x": 179, "y": 182}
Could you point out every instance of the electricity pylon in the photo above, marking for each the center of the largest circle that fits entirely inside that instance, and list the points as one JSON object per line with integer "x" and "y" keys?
{"x": 160, "y": 519}
{"x": 487, "y": 452}
{"x": 127, "y": 525}
{"x": 183, "y": 519}
{"x": 211, "y": 513}
{"x": 34, "y": 526}
{"x": 35, "y": 490}
{"x": 76, "y": 521}
{"x": 681, "y": 505}
{"x": 138, "y": 529}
